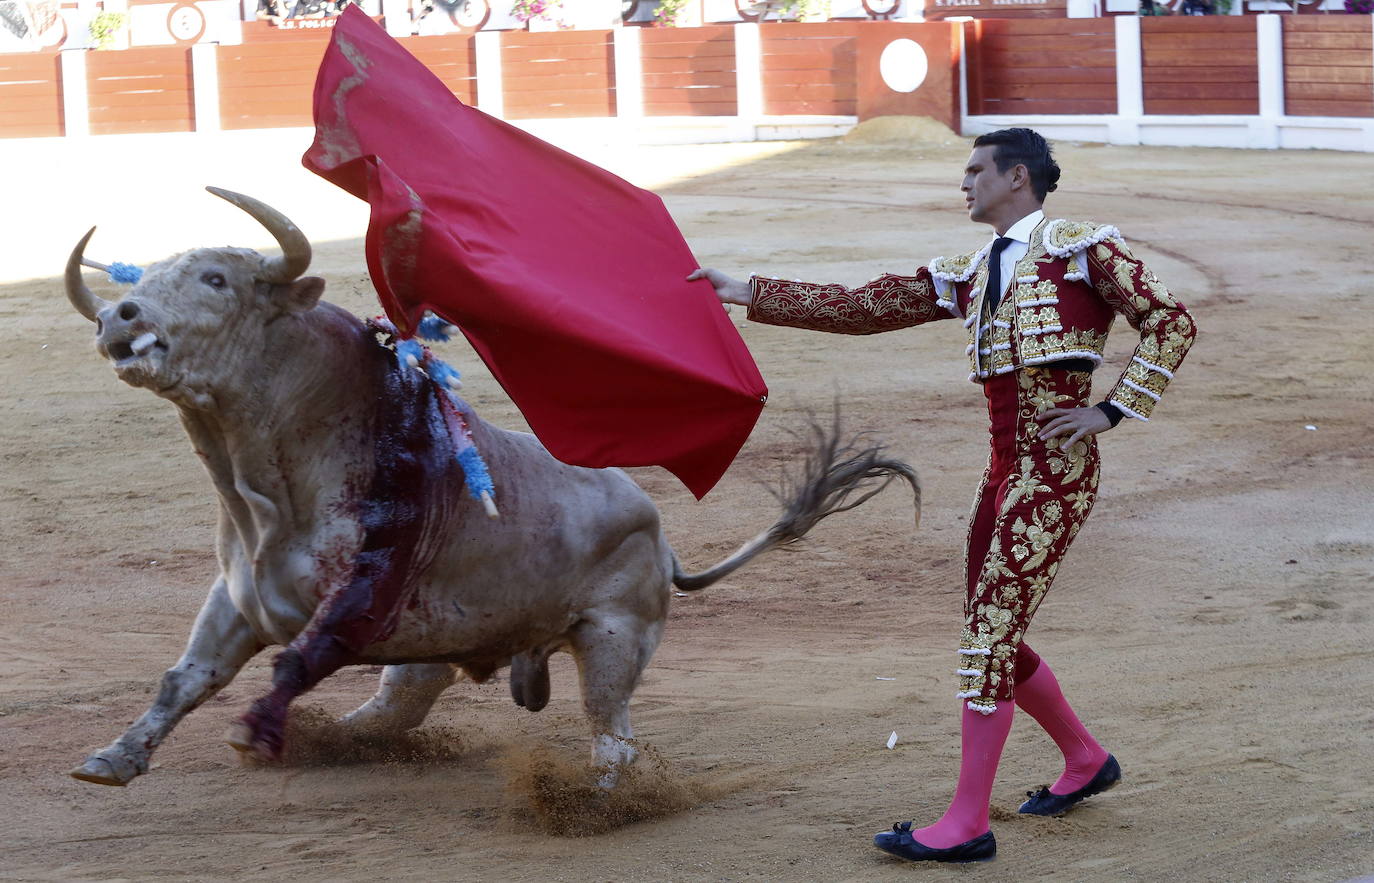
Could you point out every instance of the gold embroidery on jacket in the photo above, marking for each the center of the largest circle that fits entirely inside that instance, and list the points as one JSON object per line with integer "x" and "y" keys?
{"x": 886, "y": 303}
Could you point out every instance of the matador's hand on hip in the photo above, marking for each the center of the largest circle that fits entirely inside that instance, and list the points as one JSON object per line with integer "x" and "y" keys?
{"x": 1076, "y": 423}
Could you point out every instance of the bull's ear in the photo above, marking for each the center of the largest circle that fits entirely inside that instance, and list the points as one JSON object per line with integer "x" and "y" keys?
{"x": 299, "y": 296}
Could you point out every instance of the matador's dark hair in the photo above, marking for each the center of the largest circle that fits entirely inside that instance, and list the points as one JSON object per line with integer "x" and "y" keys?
{"x": 1027, "y": 148}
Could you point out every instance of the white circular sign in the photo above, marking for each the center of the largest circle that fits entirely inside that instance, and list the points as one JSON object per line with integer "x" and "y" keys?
{"x": 471, "y": 13}
{"x": 903, "y": 65}
{"x": 186, "y": 23}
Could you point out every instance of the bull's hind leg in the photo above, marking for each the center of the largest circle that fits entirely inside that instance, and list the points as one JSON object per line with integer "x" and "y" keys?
{"x": 221, "y": 642}
{"x": 404, "y": 697}
{"x": 611, "y": 653}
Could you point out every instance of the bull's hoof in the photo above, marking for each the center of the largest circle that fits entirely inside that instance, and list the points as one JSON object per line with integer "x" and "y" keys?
{"x": 243, "y": 739}
{"x": 608, "y": 779}
{"x": 611, "y": 755}
{"x": 240, "y": 737}
{"x": 101, "y": 771}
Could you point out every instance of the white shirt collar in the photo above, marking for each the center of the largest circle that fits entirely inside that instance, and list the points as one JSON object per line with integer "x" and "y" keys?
{"x": 1021, "y": 230}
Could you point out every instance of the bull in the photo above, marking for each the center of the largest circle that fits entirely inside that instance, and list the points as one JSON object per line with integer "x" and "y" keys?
{"x": 343, "y": 533}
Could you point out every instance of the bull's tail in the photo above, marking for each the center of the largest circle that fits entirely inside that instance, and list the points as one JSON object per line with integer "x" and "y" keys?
{"x": 835, "y": 476}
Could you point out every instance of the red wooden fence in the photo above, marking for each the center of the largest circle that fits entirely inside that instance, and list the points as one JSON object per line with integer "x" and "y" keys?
{"x": 1200, "y": 64}
{"x": 1191, "y": 65}
{"x": 689, "y": 71}
{"x": 146, "y": 89}
{"x": 30, "y": 95}
{"x": 1328, "y": 66}
{"x": 1043, "y": 65}
{"x": 558, "y": 74}
{"x": 268, "y": 85}
{"x": 808, "y": 68}
{"x": 452, "y": 58}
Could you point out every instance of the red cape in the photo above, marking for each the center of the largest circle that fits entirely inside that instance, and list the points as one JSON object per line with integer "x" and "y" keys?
{"x": 567, "y": 280}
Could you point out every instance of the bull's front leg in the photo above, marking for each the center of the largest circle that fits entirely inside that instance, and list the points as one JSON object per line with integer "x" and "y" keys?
{"x": 221, "y": 642}
{"x": 412, "y": 486}
{"x": 352, "y": 617}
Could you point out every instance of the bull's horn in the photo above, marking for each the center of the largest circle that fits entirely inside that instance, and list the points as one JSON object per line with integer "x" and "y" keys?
{"x": 295, "y": 248}
{"x": 86, "y": 303}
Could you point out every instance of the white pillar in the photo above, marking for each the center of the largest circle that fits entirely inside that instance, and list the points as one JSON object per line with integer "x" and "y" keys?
{"x": 491, "y": 97}
{"x": 76, "y": 106}
{"x": 1130, "y": 83}
{"x": 748, "y": 71}
{"x": 205, "y": 86}
{"x": 1269, "y": 35}
{"x": 1264, "y": 132}
{"x": 629, "y": 73}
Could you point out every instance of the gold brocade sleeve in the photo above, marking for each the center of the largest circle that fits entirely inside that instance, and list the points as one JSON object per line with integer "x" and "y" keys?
{"x": 884, "y": 304}
{"x": 1165, "y": 325}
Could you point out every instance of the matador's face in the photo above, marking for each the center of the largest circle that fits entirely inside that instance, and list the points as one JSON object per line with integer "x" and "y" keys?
{"x": 987, "y": 192}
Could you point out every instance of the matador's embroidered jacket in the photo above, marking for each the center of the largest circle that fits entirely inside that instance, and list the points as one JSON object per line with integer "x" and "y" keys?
{"x": 1074, "y": 278}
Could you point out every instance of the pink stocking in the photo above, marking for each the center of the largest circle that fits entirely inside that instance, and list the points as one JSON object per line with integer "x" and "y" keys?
{"x": 1039, "y": 695}
{"x": 967, "y": 816}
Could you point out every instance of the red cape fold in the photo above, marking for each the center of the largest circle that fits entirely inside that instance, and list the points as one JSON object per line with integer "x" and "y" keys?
{"x": 567, "y": 280}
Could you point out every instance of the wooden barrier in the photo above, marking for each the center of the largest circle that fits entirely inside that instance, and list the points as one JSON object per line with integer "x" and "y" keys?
{"x": 270, "y": 84}
{"x": 1200, "y": 65}
{"x": 30, "y": 95}
{"x": 1033, "y": 66}
{"x": 146, "y": 89}
{"x": 1328, "y": 66}
{"x": 558, "y": 74}
{"x": 809, "y": 68}
{"x": 452, "y": 58}
{"x": 1189, "y": 66}
{"x": 935, "y": 96}
{"x": 689, "y": 71}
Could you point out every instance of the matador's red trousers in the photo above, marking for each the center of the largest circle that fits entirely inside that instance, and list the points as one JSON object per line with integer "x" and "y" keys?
{"x": 1033, "y": 500}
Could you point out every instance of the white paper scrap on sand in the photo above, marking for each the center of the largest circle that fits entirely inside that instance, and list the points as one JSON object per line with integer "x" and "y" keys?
{"x": 892, "y": 740}
{"x": 881, "y": 678}
{"x": 1310, "y": 427}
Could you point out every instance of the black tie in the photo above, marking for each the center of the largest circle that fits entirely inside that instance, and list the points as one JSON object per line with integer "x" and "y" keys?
{"x": 994, "y": 287}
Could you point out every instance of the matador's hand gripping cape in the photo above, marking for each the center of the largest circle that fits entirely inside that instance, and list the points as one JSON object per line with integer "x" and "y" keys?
{"x": 567, "y": 280}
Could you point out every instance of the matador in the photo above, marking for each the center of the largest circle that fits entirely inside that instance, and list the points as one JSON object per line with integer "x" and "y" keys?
{"x": 1037, "y": 302}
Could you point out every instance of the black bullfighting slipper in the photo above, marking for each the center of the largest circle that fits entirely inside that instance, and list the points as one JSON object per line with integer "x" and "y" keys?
{"x": 1045, "y": 803}
{"x": 900, "y": 843}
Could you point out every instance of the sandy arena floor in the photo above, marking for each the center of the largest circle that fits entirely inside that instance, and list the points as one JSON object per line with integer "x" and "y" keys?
{"x": 1212, "y": 623}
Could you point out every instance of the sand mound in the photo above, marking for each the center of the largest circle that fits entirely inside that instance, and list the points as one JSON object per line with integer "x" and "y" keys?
{"x": 901, "y": 130}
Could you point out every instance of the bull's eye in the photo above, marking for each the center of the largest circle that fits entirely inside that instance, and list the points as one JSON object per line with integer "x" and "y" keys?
{"x": 214, "y": 280}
